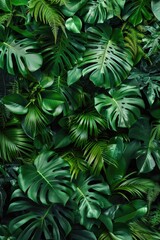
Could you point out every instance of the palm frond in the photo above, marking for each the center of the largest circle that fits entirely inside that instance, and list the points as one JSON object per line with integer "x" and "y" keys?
{"x": 133, "y": 39}
{"x": 77, "y": 163}
{"x": 141, "y": 231}
{"x": 6, "y": 17}
{"x": 61, "y": 2}
{"x": 134, "y": 186}
{"x": 14, "y": 144}
{"x": 99, "y": 152}
{"x": 48, "y": 14}
{"x": 85, "y": 125}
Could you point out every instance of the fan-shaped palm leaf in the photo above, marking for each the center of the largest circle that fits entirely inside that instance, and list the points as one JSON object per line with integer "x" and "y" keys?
{"x": 14, "y": 144}
{"x": 48, "y": 180}
{"x": 134, "y": 186}
{"x": 84, "y": 125}
{"x": 106, "y": 58}
{"x": 100, "y": 152}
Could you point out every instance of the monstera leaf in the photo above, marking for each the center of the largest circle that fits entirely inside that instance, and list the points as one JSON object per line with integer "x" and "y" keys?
{"x": 148, "y": 82}
{"x": 106, "y": 59}
{"x": 121, "y": 108}
{"x": 155, "y": 5}
{"x": 148, "y": 154}
{"x": 98, "y": 11}
{"x": 35, "y": 220}
{"x": 47, "y": 181}
{"x": 91, "y": 197}
{"x": 18, "y": 54}
{"x": 136, "y": 11}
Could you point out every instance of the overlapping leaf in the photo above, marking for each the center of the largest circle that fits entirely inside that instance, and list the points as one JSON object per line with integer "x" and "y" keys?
{"x": 47, "y": 181}
{"x": 106, "y": 59}
{"x": 120, "y": 108}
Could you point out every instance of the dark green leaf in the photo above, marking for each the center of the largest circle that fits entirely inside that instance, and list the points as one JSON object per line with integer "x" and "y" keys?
{"x": 47, "y": 181}
{"x": 16, "y": 103}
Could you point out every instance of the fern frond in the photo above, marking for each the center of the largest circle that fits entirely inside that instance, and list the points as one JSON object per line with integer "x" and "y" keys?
{"x": 48, "y": 14}
{"x": 133, "y": 39}
{"x": 152, "y": 195}
{"x": 6, "y": 17}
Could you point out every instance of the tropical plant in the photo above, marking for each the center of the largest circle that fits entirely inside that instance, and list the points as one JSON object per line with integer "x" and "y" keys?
{"x": 79, "y": 120}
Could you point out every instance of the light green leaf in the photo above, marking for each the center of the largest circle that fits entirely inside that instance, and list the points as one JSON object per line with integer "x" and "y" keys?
{"x": 155, "y": 4}
{"x": 74, "y": 24}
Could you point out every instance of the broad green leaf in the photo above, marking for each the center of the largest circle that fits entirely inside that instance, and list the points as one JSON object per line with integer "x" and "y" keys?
{"x": 51, "y": 100}
{"x": 16, "y": 103}
{"x": 81, "y": 234}
{"x": 148, "y": 154}
{"x": 35, "y": 220}
{"x": 18, "y": 54}
{"x": 47, "y": 81}
{"x": 6, "y": 5}
{"x": 74, "y": 75}
{"x": 131, "y": 211}
{"x": 47, "y": 181}
{"x": 74, "y": 24}
{"x": 120, "y": 108}
{"x": 98, "y": 11}
{"x": 136, "y": 11}
{"x": 106, "y": 59}
{"x": 155, "y": 4}
{"x": 91, "y": 197}
{"x": 62, "y": 139}
{"x": 72, "y": 7}
{"x": 19, "y": 2}
{"x": 148, "y": 82}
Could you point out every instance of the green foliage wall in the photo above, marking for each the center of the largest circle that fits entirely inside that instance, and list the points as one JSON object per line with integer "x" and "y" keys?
{"x": 79, "y": 119}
